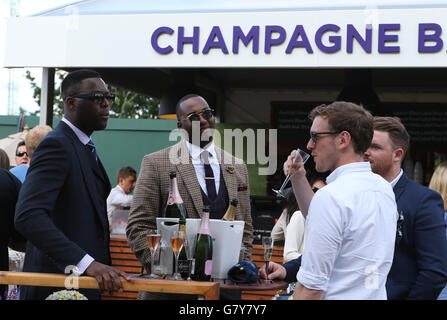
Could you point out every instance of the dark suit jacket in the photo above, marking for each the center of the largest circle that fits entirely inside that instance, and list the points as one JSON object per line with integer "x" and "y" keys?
{"x": 61, "y": 209}
{"x": 9, "y": 186}
{"x": 419, "y": 269}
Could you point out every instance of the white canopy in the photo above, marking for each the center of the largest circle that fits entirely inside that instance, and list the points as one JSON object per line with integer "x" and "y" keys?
{"x": 231, "y": 33}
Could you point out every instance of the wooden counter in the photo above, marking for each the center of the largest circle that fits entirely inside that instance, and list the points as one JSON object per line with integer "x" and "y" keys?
{"x": 124, "y": 259}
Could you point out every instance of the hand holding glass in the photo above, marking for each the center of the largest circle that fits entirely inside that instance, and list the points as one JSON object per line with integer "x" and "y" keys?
{"x": 177, "y": 241}
{"x": 153, "y": 240}
{"x": 304, "y": 157}
{"x": 267, "y": 245}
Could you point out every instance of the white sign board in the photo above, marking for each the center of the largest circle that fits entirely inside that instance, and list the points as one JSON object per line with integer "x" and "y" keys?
{"x": 301, "y": 39}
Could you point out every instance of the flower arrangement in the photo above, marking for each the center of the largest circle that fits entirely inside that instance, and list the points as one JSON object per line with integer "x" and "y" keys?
{"x": 66, "y": 295}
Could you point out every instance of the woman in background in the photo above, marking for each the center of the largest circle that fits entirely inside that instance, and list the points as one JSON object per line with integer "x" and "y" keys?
{"x": 438, "y": 183}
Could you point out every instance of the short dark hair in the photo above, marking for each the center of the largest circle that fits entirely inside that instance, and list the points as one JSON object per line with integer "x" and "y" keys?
{"x": 4, "y": 160}
{"x": 21, "y": 143}
{"x": 350, "y": 117}
{"x": 396, "y": 130}
{"x": 125, "y": 172}
{"x": 182, "y": 99}
{"x": 72, "y": 82}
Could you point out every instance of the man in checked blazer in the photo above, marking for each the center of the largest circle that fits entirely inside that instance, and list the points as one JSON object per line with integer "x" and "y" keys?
{"x": 152, "y": 188}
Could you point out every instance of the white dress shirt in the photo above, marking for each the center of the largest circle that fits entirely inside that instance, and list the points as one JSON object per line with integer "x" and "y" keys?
{"x": 351, "y": 230}
{"x": 295, "y": 237}
{"x": 195, "y": 152}
{"x": 87, "y": 259}
{"x": 116, "y": 200}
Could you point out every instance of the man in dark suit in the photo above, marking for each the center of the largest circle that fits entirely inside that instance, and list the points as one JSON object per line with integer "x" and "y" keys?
{"x": 9, "y": 237}
{"x": 61, "y": 209}
{"x": 419, "y": 269}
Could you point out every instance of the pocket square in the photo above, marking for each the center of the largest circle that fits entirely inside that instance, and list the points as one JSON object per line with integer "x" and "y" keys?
{"x": 242, "y": 187}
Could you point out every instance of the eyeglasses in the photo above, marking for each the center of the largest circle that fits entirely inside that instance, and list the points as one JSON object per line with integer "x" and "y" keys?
{"x": 21, "y": 153}
{"x": 195, "y": 116}
{"x": 314, "y": 135}
{"x": 97, "y": 97}
{"x": 314, "y": 189}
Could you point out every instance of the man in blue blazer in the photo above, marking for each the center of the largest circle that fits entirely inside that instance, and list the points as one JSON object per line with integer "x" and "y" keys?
{"x": 419, "y": 269}
{"x": 61, "y": 209}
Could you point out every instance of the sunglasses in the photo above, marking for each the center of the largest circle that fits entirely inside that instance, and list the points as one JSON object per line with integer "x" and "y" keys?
{"x": 21, "y": 153}
{"x": 314, "y": 136}
{"x": 97, "y": 97}
{"x": 195, "y": 116}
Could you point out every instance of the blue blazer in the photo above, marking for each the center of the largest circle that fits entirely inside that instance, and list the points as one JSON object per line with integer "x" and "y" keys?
{"x": 61, "y": 209}
{"x": 419, "y": 269}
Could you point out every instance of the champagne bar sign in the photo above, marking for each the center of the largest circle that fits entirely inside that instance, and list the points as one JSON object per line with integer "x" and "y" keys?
{"x": 379, "y": 37}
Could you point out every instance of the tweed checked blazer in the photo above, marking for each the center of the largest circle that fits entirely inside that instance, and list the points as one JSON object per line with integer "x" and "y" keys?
{"x": 152, "y": 191}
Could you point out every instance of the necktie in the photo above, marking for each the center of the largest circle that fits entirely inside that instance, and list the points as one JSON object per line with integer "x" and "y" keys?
{"x": 209, "y": 176}
{"x": 92, "y": 148}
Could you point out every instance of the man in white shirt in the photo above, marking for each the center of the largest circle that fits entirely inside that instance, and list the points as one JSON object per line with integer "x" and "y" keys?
{"x": 120, "y": 197}
{"x": 351, "y": 223}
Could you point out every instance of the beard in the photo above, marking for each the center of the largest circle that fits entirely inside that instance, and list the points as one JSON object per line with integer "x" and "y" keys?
{"x": 381, "y": 167}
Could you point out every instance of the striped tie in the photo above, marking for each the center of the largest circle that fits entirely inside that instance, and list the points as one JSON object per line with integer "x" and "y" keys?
{"x": 92, "y": 148}
{"x": 209, "y": 176}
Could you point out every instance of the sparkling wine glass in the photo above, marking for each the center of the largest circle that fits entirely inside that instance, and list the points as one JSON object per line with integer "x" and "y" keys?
{"x": 304, "y": 156}
{"x": 190, "y": 246}
{"x": 153, "y": 240}
{"x": 177, "y": 242}
{"x": 267, "y": 245}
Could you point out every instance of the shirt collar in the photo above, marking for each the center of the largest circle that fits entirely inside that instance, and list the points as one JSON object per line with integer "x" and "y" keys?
{"x": 196, "y": 151}
{"x": 81, "y": 135}
{"x": 364, "y": 166}
{"x": 394, "y": 182}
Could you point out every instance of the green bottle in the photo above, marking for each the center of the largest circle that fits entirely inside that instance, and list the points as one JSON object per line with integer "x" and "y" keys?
{"x": 203, "y": 254}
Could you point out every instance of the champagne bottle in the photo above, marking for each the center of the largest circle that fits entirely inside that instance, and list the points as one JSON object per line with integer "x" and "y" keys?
{"x": 176, "y": 209}
{"x": 203, "y": 253}
{"x": 231, "y": 211}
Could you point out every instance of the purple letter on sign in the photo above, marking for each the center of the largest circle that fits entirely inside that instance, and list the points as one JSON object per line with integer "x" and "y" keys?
{"x": 352, "y": 34}
{"x": 253, "y": 34}
{"x": 181, "y": 40}
{"x": 435, "y": 37}
{"x": 154, "y": 40}
{"x": 336, "y": 40}
{"x": 383, "y": 38}
{"x": 269, "y": 41}
{"x": 294, "y": 43}
{"x": 219, "y": 43}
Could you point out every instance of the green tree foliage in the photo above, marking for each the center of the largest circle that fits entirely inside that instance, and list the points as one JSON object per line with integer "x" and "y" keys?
{"x": 128, "y": 104}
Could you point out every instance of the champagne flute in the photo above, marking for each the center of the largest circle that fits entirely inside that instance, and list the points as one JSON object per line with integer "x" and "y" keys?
{"x": 267, "y": 245}
{"x": 153, "y": 240}
{"x": 190, "y": 246}
{"x": 177, "y": 242}
{"x": 304, "y": 156}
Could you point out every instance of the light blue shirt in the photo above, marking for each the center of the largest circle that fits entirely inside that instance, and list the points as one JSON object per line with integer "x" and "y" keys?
{"x": 20, "y": 172}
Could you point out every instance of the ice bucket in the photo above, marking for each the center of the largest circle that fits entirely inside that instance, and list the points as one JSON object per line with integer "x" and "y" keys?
{"x": 227, "y": 241}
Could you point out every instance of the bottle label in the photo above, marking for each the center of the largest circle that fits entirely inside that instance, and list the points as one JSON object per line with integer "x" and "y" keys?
{"x": 208, "y": 267}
